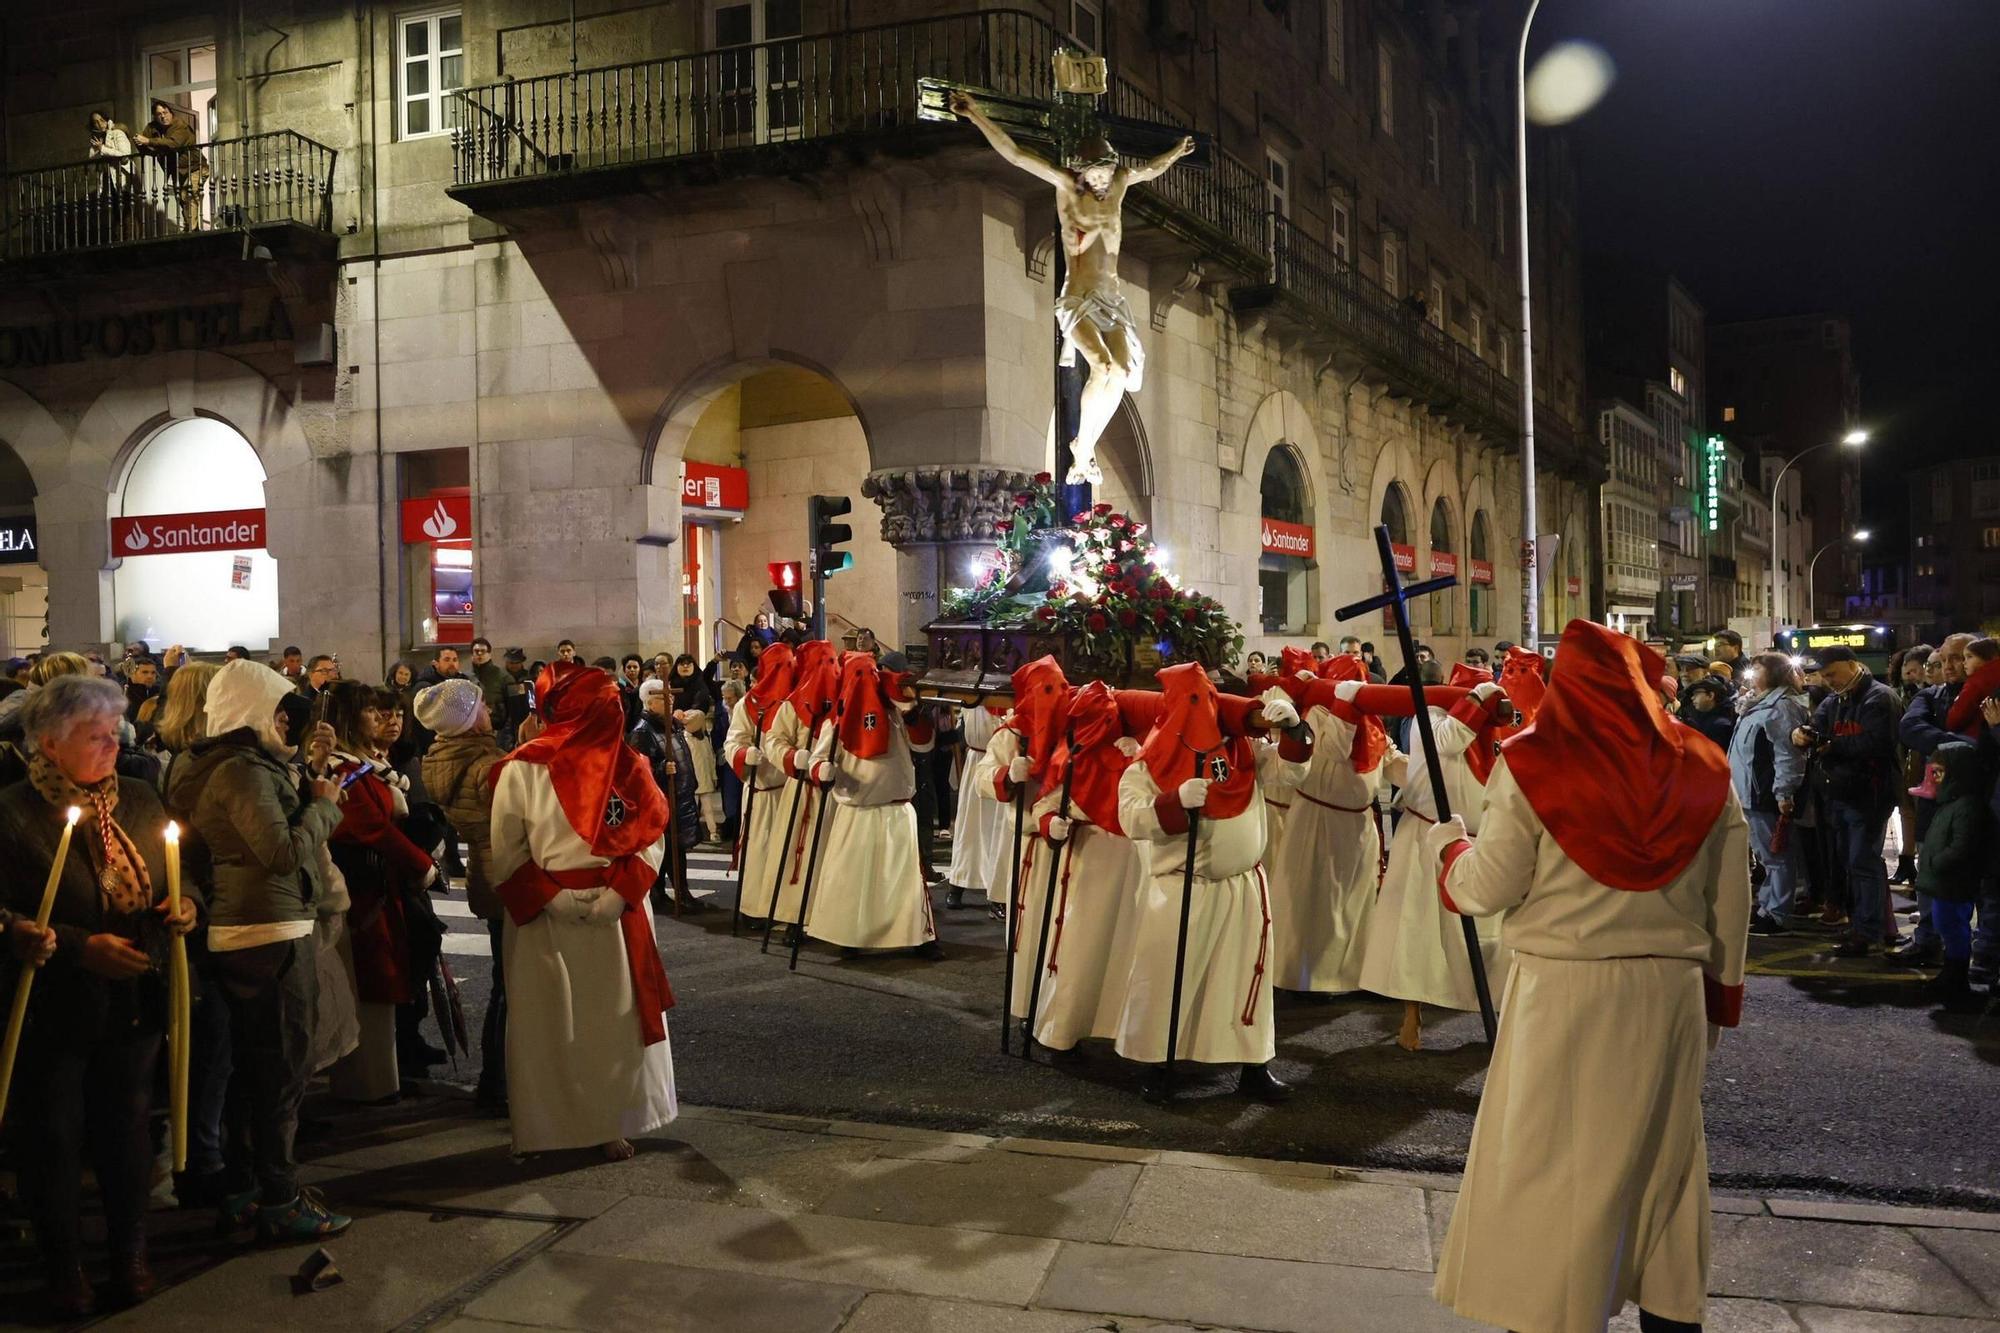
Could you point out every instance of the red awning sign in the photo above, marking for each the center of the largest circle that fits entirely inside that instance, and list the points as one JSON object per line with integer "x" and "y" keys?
{"x": 437, "y": 518}
{"x": 1282, "y": 538}
{"x": 1576, "y": 587}
{"x": 1443, "y": 563}
{"x": 1482, "y": 571}
{"x": 1406, "y": 558}
{"x": 708, "y": 486}
{"x": 180, "y": 534}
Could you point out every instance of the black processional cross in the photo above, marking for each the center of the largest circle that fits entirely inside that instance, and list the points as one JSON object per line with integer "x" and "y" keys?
{"x": 1057, "y": 127}
{"x": 1397, "y": 597}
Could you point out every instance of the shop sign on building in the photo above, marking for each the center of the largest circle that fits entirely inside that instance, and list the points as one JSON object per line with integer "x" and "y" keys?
{"x": 249, "y": 318}
{"x": 1406, "y": 558}
{"x": 181, "y": 534}
{"x": 437, "y": 518}
{"x": 1482, "y": 571}
{"x": 18, "y": 544}
{"x": 1443, "y": 564}
{"x": 1282, "y": 538}
{"x": 709, "y": 486}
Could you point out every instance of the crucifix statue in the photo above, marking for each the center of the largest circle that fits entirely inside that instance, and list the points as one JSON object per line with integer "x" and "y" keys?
{"x": 1090, "y": 179}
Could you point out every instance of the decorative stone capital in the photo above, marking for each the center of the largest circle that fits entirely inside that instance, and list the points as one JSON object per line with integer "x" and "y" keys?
{"x": 943, "y": 504}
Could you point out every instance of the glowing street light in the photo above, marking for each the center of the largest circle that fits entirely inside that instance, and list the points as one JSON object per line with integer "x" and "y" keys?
{"x": 1859, "y": 537}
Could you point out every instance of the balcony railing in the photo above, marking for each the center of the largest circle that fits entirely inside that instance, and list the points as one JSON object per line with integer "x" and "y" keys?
{"x": 1392, "y": 331}
{"x": 858, "y": 82}
{"x": 248, "y": 182}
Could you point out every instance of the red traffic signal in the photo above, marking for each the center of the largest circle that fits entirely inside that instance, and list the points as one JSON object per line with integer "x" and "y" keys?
{"x": 785, "y": 574}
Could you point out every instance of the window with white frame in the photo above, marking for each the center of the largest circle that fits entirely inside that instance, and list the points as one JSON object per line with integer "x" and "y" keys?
{"x": 1433, "y": 144}
{"x": 183, "y": 76}
{"x": 1340, "y": 230}
{"x": 1336, "y": 40}
{"x": 1475, "y": 328}
{"x": 1086, "y": 24}
{"x": 1278, "y": 182}
{"x": 1392, "y": 262}
{"x": 1385, "y": 88}
{"x": 1436, "y": 312}
{"x": 430, "y": 64}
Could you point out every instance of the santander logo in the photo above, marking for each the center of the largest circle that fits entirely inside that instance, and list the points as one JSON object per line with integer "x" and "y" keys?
{"x": 137, "y": 540}
{"x": 182, "y": 534}
{"x": 440, "y": 524}
{"x": 1287, "y": 538}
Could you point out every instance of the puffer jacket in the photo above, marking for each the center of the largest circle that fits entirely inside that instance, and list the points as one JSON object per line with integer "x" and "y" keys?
{"x": 659, "y": 747}
{"x": 258, "y": 839}
{"x": 457, "y": 770}
{"x": 1957, "y": 843}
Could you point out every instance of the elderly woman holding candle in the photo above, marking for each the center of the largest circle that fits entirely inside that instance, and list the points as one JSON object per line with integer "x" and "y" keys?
{"x": 99, "y": 1007}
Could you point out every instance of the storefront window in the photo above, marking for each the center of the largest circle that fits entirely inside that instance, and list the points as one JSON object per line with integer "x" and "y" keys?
{"x": 436, "y": 530}
{"x": 1444, "y": 560}
{"x": 1396, "y": 518}
{"x": 207, "y": 599}
{"x": 1286, "y": 563}
{"x": 1479, "y": 582}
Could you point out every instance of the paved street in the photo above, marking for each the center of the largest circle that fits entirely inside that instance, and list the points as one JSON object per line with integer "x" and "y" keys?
{"x": 1833, "y": 1084}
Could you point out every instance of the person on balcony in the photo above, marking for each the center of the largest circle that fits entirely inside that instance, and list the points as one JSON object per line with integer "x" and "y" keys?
{"x": 111, "y": 147}
{"x": 171, "y": 138}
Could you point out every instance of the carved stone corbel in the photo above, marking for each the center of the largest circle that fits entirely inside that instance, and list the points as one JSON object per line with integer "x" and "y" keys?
{"x": 943, "y": 504}
{"x": 1190, "y": 282}
{"x": 615, "y": 241}
{"x": 878, "y": 202}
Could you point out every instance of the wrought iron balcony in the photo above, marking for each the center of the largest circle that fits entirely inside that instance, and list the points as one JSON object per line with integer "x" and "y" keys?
{"x": 791, "y": 104}
{"x": 272, "y": 180}
{"x": 1339, "y": 308}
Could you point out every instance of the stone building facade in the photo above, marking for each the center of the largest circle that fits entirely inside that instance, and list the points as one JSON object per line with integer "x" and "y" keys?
{"x": 561, "y": 355}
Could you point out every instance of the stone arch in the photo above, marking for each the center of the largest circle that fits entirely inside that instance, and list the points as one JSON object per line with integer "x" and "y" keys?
{"x": 1281, "y": 421}
{"x": 1482, "y": 601}
{"x": 23, "y": 585}
{"x": 684, "y": 405}
{"x": 32, "y": 432}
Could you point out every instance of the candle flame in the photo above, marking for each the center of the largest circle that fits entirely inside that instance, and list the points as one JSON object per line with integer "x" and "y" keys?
{"x": 173, "y": 831}
{"x": 75, "y": 816}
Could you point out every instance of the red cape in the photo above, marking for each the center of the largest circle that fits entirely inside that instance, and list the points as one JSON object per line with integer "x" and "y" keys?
{"x": 1095, "y": 728}
{"x": 1627, "y": 792}
{"x": 1041, "y": 703}
{"x": 1371, "y": 741}
{"x": 1480, "y": 710}
{"x": 1189, "y": 731}
{"x": 1523, "y": 676}
{"x": 1296, "y": 662}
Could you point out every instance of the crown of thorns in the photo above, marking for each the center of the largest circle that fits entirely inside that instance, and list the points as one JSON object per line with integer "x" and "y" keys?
{"x": 1095, "y": 151}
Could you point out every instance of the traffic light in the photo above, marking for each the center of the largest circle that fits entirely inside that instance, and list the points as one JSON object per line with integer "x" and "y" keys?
{"x": 823, "y": 536}
{"x": 785, "y": 576}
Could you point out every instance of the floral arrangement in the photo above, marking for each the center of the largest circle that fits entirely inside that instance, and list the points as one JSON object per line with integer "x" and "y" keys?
{"x": 1099, "y": 581}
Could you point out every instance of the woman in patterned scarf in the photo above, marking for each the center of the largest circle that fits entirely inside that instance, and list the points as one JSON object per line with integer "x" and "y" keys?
{"x": 98, "y": 1014}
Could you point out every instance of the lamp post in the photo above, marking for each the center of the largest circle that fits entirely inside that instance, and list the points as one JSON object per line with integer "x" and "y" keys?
{"x": 1858, "y": 538}
{"x": 1531, "y": 604}
{"x": 1854, "y": 439}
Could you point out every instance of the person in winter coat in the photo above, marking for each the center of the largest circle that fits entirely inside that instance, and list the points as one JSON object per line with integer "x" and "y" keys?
{"x": 458, "y": 769}
{"x": 1854, "y": 738}
{"x": 1767, "y": 770}
{"x": 1955, "y": 855}
{"x": 1706, "y": 709}
{"x": 259, "y": 837}
{"x": 662, "y": 742}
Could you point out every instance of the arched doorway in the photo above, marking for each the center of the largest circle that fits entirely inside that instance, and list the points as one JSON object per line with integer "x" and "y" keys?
{"x": 199, "y": 576}
{"x": 24, "y": 584}
{"x": 751, "y": 443}
{"x": 1395, "y": 516}
{"x": 1479, "y": 579}
{"x": 1287, "y": 564}
{"x": 1444, "y": 560}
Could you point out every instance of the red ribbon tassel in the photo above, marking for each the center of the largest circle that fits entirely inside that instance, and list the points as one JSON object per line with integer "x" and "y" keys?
{"x": 1263, "y": 951}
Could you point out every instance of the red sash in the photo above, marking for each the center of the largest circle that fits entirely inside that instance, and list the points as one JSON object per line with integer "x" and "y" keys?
{"x": 529, "y": 890}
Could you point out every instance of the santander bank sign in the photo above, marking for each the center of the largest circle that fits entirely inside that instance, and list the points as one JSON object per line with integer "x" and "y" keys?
{"x": 1282, "y": 538}
{"x": 181, "y": 534}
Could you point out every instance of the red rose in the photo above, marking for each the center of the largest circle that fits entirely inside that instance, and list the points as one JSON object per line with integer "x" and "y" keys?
{"x": 1045, "y": 612}
{"x": 1080, "y": 516}
{"x": 1187, "y": 613}
{"x": 1044, "y": 478}
{"x": 1159, "y": 615}
{"x": 1128, "y": 618}
{"x": 1002, "y": 526}
{"x": 1096, "y": 623}
{"x": 1116, "y": 521}
{"x": 1100, "y": 510}
{"x": 1160, "y": 590}
{"x": 1023, "y": 499}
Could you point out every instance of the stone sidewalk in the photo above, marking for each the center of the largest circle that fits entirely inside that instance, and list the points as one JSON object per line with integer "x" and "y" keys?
{"x": 732, "y": 1222}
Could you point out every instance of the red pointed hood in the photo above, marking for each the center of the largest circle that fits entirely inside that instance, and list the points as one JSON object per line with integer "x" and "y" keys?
{"x": 1523, "y": 676}
{"x": 1626, "y": 791}
{"x": 1465, "y": 676}
{"x": 1371, "y": 741}
{"x": 777, "y": 672}
{"x": 864, "y": 709}
{"x": 1091, "y": 745}
{"x": 1296, "y": 662}
{"x": 1188, "y": 739}
{"x": 1041, "y": 702}
{"x": 1480, "y": 710}
{"x": 606, "y": 790}
{"x": 815, "y": 684}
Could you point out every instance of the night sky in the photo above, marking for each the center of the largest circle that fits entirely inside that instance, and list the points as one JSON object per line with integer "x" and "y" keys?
{"x": 1786, "y": 156}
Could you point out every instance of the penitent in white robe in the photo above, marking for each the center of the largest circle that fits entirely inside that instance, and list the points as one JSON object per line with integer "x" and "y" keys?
{"x": 1087, "y": 960}
{"x": 1415, "y": 949}
{"x": 1024, "y": 918}
{"x": 869, "y": 891}
{"x": 1324, "y": 867}
{"x": 1587, "y": 1183}
{"x": 765, "y": 854}
{"x": 982, "y": 832}
{"x": 1226, "y": 991}
{"x": 578, "y": 1071}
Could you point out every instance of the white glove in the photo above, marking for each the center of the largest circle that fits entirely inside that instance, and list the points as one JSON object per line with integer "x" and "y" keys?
{"x": 1346, "y": 690}
{"x": 1280, "y": 713}
{"x": 1128, "y": 747}
{"x": 1442, "y": 835}
{"x": 606, "y": 907}
{"x": 1017, "y": 770}
{"x": 820, "y": 773}
{"x": 569, "y": 905}
{"x": 1058, "y": 829}
{"x": 752, "y": 756}
{"x": 1194, "y": 793}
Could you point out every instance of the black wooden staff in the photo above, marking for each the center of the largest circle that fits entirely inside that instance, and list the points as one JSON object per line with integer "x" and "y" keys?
{"x": 784, "y": 858}
{"x": 1013, "y": 922}
{"x": 743, "y": 830}
{"x": 1180, "y": 945}
{"x": 1048, "y": 900}
{"x": 798, "y": 929}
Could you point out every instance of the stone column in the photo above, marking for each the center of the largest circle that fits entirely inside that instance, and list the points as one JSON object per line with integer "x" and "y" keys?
{"x": 938, "y": 519}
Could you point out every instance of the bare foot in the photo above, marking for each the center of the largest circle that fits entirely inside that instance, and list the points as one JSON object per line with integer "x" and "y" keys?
{"x": 1412, "y": 1036}
{"x": 618, "y": 1150}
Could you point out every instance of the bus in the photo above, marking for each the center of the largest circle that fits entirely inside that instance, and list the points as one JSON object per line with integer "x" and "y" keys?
{"x": 1873, "y": 644}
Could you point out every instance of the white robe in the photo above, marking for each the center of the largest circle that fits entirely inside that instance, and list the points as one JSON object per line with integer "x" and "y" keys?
{"x": 1587, "y": 1182}
{"x": 1324, "y": 866}
{"x": 1024, "y": 916}
{"x": 766, "y": 854}
{"x": 578, "y": 1073}
{"x": 1227, "y": 975}
{"x": 982, "y": 832}
{"x": 1088, "y": 958}
{"x": 1415, "y": 949}
{"x": 869, "y": 891}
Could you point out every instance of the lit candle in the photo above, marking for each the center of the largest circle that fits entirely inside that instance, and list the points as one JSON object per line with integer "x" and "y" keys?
{"x": 19, "y": 1015}
{"x": 179, "y": 1011}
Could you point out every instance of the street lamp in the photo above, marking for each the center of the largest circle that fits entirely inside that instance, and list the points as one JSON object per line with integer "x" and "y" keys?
{"x": 1854, "y": 439}
{"x": 1531, "y": 605}
{"x": 1858, "y": 538}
